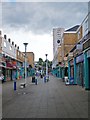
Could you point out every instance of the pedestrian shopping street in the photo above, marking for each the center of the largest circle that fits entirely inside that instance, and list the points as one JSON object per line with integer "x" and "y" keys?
{"x": 52, "y": 99}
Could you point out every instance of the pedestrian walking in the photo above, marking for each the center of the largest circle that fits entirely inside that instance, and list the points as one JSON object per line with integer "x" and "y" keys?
{"x": 36, "y": 77}
{"x": 14, "y": 79}
{"x": 2, "y": 78}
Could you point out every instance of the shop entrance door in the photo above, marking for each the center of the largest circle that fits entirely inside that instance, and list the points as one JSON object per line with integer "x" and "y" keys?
{"x": 72, "y": 72}
{"x": 82, "y": 74}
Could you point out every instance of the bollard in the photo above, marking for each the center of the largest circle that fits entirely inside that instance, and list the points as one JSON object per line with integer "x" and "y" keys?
{"x": 35, "y": 81}
{"x": 14, "y": 85}
{"x": 45, "y": 79}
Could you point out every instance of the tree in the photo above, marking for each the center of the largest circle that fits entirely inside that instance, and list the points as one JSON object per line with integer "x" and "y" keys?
{"x": 40, "y": 62}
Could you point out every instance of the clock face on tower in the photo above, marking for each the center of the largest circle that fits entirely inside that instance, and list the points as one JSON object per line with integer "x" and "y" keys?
{"x": 58, "y": 41}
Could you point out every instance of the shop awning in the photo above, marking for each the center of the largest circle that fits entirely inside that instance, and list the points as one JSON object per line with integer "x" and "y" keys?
{"x": 10, "y": 65}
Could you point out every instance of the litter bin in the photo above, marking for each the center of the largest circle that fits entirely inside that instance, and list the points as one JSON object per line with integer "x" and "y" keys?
{"x": 67, "y": 81}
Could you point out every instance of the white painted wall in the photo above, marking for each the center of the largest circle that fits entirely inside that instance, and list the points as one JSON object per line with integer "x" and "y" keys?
{"x": 89, "y": 16}
{"x": 57, "y": 35}
{"x": 6, "y": 45}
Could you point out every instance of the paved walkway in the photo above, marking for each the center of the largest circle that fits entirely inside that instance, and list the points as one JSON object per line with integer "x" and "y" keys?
{"x": 0, "y": 100}
{"x": 46, "y": 100}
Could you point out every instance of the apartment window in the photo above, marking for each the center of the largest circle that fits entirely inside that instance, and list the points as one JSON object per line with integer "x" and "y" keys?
{"x": 78, "y": 34}
{"x": 4, "y": 44}
{"x": 10, "y": 47}
{"x": 86, "y": 25}
{"x": 18, "y": 53}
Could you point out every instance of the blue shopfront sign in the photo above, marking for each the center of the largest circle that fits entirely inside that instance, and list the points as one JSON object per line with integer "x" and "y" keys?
{"x": 88, "y": 53}
{"x": 80, "y": 58}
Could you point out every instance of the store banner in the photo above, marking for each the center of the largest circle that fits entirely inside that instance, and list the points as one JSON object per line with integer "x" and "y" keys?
{"x": 79, "y": 47}
{"x": 8, "y": 64}
{"x": 11, "y": 65}
{"x": 80, "y": 58}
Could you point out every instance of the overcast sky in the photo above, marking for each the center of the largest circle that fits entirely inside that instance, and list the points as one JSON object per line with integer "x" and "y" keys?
{"x": 33, "y": 22}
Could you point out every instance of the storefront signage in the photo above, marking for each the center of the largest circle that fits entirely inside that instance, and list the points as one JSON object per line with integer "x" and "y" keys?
{"x": 88, "y": 53}
{"x": 79, "y": 47}
{"x": 14, "y": 62}
{"x": 80, "y": 58}
{"x": 11, "y": 65}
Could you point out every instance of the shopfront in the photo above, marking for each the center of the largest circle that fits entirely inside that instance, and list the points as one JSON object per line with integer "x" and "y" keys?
{"x": 71, "y": 68}
{"x": 86, "y": 51}
{"x": 3, "y": 67}
{"x": 19, "y": 70}
{"x": 8, "y": 74}
{"x": 3, "y": 70}
{"x": 88, "y": 60}
{"x": 9, "y": 69}
{"x": 87, "y": 69}
{"x": 80, "y": 70}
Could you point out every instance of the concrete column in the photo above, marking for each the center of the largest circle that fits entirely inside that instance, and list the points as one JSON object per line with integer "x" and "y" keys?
{"x": 5, "y": 76}
{"x": 59, "y": 72}
{"x": 16, "y": 73}
{"x": 68, "y": 69}
{"x": 75, "y": 71}
{"x": 63, "y": 73}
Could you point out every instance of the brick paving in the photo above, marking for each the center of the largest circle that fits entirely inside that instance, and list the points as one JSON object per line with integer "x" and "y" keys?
{"x": 46, "y": 100}
{"x": 0, "y": 100}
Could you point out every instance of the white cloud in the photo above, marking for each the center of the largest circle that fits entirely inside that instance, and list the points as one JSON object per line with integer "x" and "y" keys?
{"x": 42, "y": 17}
{"x": 46, "y": 0}
{"x": 39, "y": 44}
{"x": 34, "y": 22}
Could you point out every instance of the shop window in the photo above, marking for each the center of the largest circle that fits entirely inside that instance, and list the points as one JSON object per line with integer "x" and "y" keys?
{"x": 79, "y": 35}
{"x": 18, "y": 53}
{"x": 72, "y": 72}
{"x": 86, "y": 25}
{"x": 10, "y": 47}
{"x": 4, "y": 44}
{"x": 66, "y": 71}
{"x": 8, "y": 74}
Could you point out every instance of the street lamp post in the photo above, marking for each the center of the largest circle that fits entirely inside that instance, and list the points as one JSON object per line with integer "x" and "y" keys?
{"x": 25, "y": 62}
{"x": 46, "y": 68}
